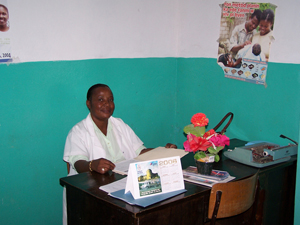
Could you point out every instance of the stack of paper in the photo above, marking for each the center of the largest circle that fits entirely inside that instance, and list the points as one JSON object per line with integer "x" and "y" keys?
{"x": 116, "y": 190}
{"x": 191, "y": 174}
{"x": 144, "y": 202}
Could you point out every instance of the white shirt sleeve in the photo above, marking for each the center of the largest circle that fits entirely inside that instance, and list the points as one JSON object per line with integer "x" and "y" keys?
{"x": 74, "y": 158}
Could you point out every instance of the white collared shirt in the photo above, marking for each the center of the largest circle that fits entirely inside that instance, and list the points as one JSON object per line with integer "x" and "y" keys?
{"x": 85, "y": 137}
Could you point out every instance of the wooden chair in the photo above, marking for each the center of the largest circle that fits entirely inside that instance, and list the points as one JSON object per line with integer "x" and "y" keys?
{"x": 233, "y": 198}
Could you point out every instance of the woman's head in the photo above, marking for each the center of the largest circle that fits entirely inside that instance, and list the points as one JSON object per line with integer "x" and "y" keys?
{"x": 100, "y": 102}
{"x": 92, "y": 88}
{"x": 266, "y": 22}
{"x": 4, "y": 16}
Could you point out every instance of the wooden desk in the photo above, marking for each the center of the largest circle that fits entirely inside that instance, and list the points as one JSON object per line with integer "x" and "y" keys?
{"x": 87, "y": 204}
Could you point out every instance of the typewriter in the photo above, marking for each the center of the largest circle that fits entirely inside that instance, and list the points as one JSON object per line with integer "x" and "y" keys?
{"x": 263, "y": 154}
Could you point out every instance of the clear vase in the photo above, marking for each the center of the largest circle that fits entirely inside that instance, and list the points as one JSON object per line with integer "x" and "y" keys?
{"x": 204, "y": 168}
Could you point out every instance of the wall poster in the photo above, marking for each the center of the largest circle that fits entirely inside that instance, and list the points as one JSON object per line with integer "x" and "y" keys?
{"x": 246, "y": 34}
{"x": 5, "y": 39}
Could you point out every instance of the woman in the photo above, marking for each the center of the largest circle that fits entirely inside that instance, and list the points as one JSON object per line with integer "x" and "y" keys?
{"x": 100, "y": 140}
{"x": 4, "y": 24}
{"x": 265, "y": 35}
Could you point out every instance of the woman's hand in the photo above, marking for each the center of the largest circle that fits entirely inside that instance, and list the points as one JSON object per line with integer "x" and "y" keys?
{"x": 99, "y": 165}
{"x": 169, "y": 145}
{"x": 102, "y": 165}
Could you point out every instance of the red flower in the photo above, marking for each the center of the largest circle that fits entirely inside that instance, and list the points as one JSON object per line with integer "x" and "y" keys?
{"x": 194, "y": 144}
{"x": 209, "y": 133}
{"x": 220, "y": 140}
{"x": 199, "y": 120}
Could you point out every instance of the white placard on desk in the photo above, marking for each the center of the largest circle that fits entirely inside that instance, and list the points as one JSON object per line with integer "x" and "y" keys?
{"x": 153, "y": 177}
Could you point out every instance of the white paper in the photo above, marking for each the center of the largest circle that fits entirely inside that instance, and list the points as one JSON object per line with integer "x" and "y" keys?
{"x": 123, "y": 166}
{"x": 132, "y": 182}
{"x": 161, "y": 152}
{"x": 114, "y": 186}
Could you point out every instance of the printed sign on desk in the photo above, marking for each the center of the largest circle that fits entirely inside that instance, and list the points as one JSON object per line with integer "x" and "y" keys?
{"x": 148, "y": 178}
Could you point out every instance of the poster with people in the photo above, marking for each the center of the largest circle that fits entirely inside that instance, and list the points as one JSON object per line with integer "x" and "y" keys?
{"x": 246, "y": 35}
{"x": 5, "y": 39}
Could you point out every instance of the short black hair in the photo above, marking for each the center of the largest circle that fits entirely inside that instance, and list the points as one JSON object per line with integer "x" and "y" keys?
{"x": 92, "y": 88}
{"x": 257, "y": 13}
{"x": 223, "y": 59}
{"x": 268, "y": 15}
{"x": 256, "y": 49}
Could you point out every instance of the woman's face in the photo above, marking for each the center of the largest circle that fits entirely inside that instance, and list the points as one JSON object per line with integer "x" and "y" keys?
{"x": 3, "y": 16}
{"x": 264, "y": 27}
{"x": 101, "y": 104}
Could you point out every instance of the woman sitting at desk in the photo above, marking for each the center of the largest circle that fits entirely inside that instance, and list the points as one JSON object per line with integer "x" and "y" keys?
{"x": 100, "y": 140}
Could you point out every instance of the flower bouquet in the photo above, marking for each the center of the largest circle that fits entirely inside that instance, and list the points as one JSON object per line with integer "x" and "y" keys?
{"x": 205, "y": 145}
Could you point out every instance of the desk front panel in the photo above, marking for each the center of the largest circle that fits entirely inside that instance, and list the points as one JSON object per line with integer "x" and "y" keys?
{"x": 87, "y": 204}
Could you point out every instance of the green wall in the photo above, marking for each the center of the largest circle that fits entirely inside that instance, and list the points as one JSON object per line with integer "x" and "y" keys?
{"x": 41, "y": 101}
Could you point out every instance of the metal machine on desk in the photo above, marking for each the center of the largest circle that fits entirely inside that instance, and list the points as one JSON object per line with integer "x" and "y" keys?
{"x": 263, "y": 154}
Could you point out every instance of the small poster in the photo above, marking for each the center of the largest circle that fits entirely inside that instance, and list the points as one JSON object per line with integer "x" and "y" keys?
{"x": 5, "y": 39}
{"x": 246, "y": 34}
{"x": 148, "y": 178}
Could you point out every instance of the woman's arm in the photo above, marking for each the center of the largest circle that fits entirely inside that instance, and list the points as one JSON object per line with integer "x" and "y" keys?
{"x": 145, "y": 150}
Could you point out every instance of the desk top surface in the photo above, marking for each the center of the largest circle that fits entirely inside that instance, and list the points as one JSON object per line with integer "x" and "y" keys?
{"x": 90, "y": 182}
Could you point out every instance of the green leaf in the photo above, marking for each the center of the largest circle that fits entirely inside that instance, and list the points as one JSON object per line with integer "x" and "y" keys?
{"x": 199, "y": 155}
{"x": 215, "y": 151}
{"x": 217, "y": 158}
{"x": 212, "y": 150}
{"x": 219, "y": 148}
{"x": 197, "y": 131}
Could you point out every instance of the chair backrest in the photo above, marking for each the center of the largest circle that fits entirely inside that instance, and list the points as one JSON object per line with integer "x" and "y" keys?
{"x": 68, "y": 167}
{"x": 233, "y": 198}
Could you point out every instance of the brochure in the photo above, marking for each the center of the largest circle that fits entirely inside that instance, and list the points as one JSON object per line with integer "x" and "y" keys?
{"x": 215, "y": 174}
{"x": 204, "y": 181}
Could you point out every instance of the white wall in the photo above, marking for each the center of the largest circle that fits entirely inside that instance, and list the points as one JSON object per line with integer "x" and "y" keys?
{"x": 73, "y": 29}
{"x": 45, "y": 30}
